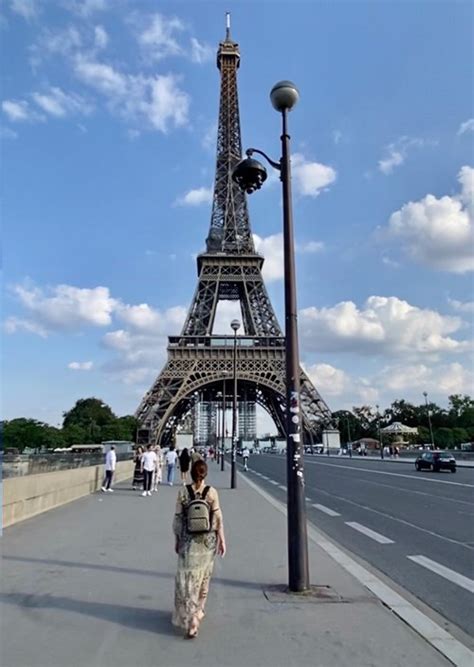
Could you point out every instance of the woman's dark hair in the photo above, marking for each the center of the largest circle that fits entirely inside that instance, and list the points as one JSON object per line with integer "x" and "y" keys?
{"x": 198, "y": 471}
{"x": 184, "y": 456}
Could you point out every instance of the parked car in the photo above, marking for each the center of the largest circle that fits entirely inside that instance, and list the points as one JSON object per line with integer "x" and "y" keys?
{"x": 436, "y": 461}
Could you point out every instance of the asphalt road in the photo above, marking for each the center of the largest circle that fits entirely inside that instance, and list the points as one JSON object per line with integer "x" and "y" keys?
{"x": 416, "y": 527}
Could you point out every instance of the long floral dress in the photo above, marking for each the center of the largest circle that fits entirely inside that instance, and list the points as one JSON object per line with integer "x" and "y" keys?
{"x": 195, "y": 559}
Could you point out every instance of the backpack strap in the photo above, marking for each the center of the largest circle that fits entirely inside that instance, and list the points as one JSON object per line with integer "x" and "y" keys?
{"x": 191, "y": 491}
{"x": 204, "y": 493}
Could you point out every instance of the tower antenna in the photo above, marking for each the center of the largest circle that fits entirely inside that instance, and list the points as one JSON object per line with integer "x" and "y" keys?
{"x": 227, "y": 26}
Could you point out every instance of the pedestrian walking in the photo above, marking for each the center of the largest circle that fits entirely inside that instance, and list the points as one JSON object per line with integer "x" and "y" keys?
{"x": 158, "y": 474}
{"x": 195, "y": 456}
{"x": 137, "y": 472}
{"x": 184, "y": 463}
{"x": 110, "y": 463}
{"x": 148, "y": 468}
{"x": 199, "y": 536}
{"x": 170, "y": 459}
{"x": 245, "y": 457}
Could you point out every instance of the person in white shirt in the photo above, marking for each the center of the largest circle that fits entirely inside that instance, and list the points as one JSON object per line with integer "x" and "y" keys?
{"x": 110, "y": 463}
{"x": 245, "y": 456}
{"x": 149, "y": 461}
{"x": 170, "y": 458}
{"x": 159, "y": 464}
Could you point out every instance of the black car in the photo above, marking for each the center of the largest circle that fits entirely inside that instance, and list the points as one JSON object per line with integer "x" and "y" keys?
{"x": 436, "y": 461}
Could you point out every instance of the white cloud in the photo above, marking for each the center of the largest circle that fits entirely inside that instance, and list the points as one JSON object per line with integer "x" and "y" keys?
{"x": 19, "y": 111}
{"x": 397, "y": 152}
{"x": 310, "y": 177}
{"x": 462, "y": 307}
{"x": 439, "y": 379}
{"x": 330, "y": 381}
{"x": 14, "y": 324}
{"x": 85, "y": 8}
{"x": 383, "y": 326}
{"x": 271, "y": 248}
{"x": 63, "y": 308}
{"x": 227, "y": 311}
{"x": 195, "y": 197}
{"x": 8, "y": 133}
{"x": 467, "y": 126}
{"x": 156, "y": 99}
{"x": 141, "y": 349}
{"x": 101, "y": 38}
{"x": 210, "y": 138}
{"x": 64, "y": 42}
{"x": 201, "y": 53}
{"x": 159, "y": 39}
{"x": 28, "y": 9}
{"x": 309, "y": 247}
{"x": 80, "y": 365}
{"x": 390, "y": 262}
{"x": 438, "y": 233}
{"x": 57, "y": 103}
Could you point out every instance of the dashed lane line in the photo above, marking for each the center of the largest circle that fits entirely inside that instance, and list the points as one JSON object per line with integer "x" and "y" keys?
{"x": 397, "y": 519}
{"x": 381, "y": 539}
{"x": 280, "y": 486}
{"x": 445, "y": 572}
{"x": 393, "y": 474}
{"x": 438, "y": 637}
{"x": 326, "y": 510}
{"x": 272, "y": 481}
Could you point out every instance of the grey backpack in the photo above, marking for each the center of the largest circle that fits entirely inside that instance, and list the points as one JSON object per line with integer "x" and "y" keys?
{"x": 198, "y": 512}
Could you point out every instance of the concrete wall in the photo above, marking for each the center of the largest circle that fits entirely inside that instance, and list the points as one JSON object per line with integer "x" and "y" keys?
{"x": 24, "y": 497}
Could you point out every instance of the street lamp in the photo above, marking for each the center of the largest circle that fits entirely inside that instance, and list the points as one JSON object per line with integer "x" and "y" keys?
{"x": 223, "y": 426}
{"x": 380, "y": 434}
{"x": 235, "y": 324}
{"x": 249, "y": 174}
{"x": 425, "y": 394}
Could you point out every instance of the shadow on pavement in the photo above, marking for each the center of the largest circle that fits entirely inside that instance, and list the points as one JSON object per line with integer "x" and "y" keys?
{"x": 157, "y": 621}
{"x": 127, "y": 570}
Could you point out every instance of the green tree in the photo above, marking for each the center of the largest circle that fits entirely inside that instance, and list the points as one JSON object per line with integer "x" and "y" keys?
{"x": 443, "y": 437}
{"x": 89, "y": 413}
{"x": 459, "y": 435}
{"x": 75, "y": 435}
{"x": 21, "y": 433}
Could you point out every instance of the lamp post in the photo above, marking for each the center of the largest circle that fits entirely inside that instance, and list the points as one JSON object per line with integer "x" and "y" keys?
{"x": 380, "y": 434}
{"x": 223, "y": 426}
{"x": 235, "y": 324}
{"x": 425, "y": 394}
{"x": 249, "y": 174}
{"x": 349, "y": 439}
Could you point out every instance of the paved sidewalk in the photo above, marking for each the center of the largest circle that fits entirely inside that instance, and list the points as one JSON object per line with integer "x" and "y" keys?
{"x": 91, "y": 585}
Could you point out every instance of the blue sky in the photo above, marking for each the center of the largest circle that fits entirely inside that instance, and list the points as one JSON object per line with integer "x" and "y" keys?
{"x": 108, "y": 114}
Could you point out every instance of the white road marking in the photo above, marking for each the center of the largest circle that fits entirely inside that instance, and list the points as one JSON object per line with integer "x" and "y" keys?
{"x": 280, "y": 486}
{"x": 326, "y": 510}
{"x": 437, "y": 636}
{"x": 394, "y": 474}
{"x": 381, "y": 539}
{"x": 394, "y": 518}
{"x": 445, "y": 572}
{"x": 265, "y": 477}
{"x": 272, "y": 481}
{"x": 308, "y": 500}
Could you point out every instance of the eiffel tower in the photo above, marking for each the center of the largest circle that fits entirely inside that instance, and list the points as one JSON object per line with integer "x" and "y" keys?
{"x": 230, "y": 269}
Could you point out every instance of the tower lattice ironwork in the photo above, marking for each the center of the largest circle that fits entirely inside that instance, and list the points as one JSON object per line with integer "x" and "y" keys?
{"x": 229, "y": 269}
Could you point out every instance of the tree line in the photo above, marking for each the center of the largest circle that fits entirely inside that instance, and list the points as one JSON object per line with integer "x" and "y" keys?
{"x": 90, "y": 421}
{"x": 93, "y": 421}
{"x": 450, "y": 426}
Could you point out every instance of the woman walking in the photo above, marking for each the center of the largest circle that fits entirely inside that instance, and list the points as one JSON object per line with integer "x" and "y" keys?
{"x": 184, "y": 462}
{"x": 138, "y": 473}
{"x": 196, "y": 551}
{"x": 157, "y": 477}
